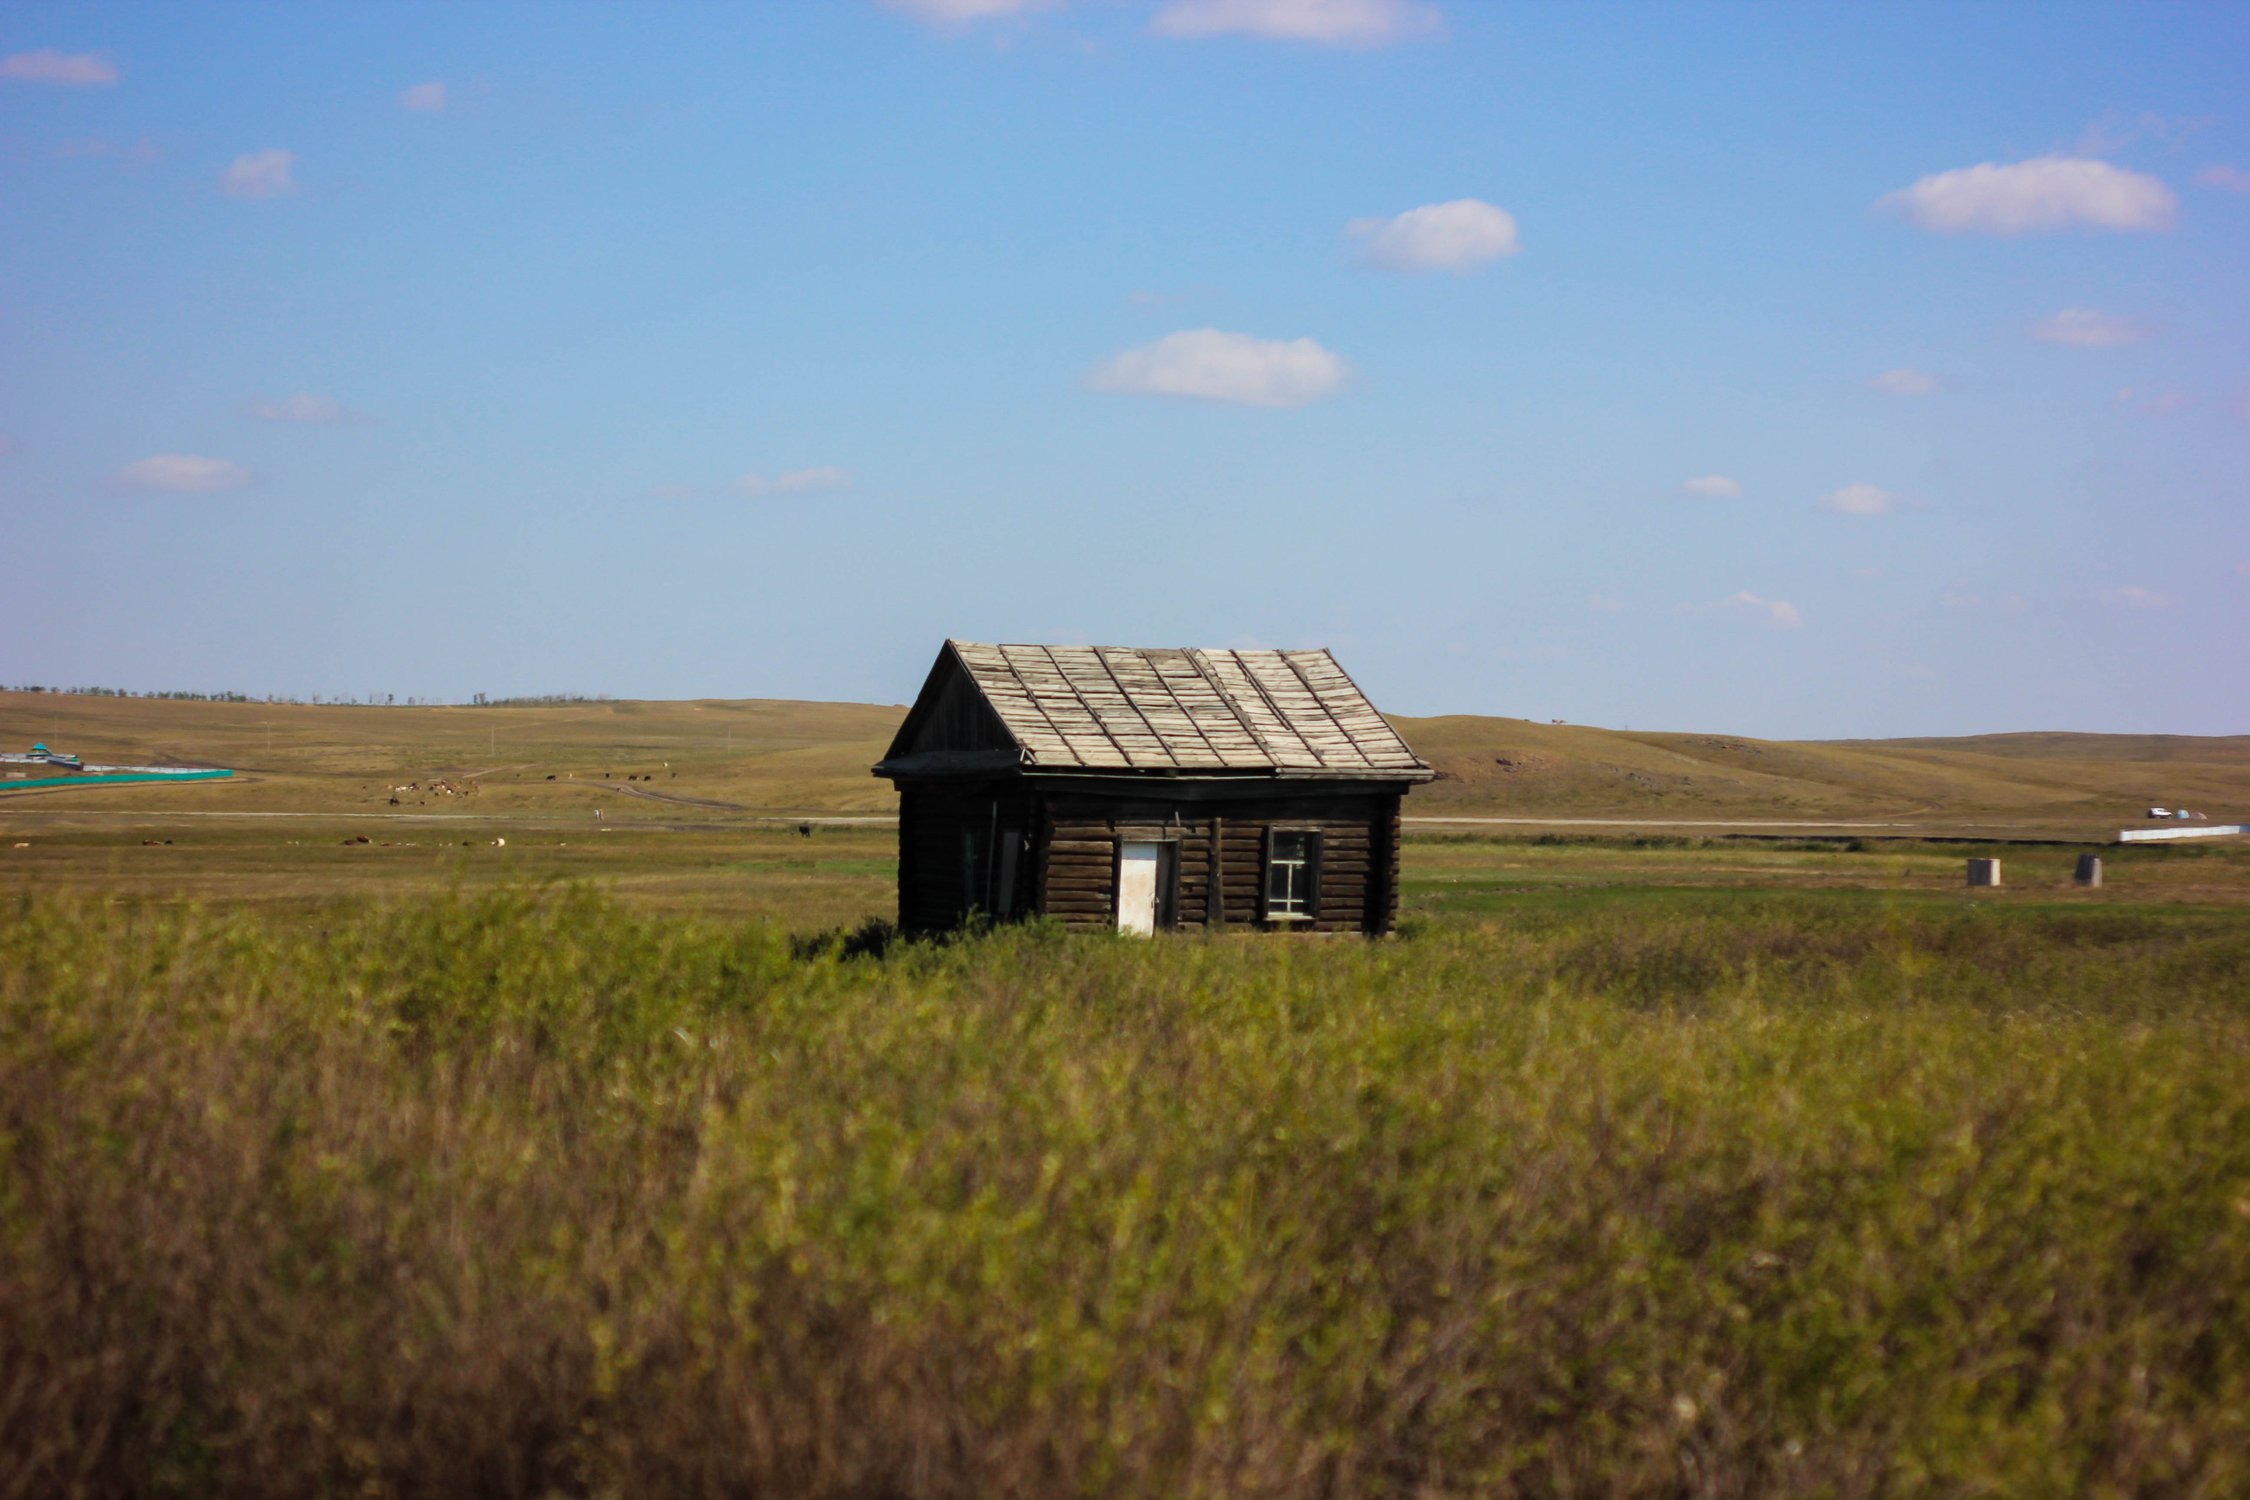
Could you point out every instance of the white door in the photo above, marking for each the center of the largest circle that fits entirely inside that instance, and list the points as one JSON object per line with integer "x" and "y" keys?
{"x": 1136, "y": 888}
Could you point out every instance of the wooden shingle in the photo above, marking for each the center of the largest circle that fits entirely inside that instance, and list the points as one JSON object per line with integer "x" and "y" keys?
{"x": 1183, "y": 710}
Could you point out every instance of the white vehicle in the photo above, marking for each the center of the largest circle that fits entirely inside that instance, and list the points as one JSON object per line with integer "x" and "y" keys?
{"x": 2160, "y": 812}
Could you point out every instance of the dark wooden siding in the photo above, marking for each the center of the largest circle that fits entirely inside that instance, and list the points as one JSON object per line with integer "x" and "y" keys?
{"x": 1358, "y": 864}
{"x": 1344, "y": 843}
{"x": 1382, "y": 905}
{"x": 952, "y": 854}
{"x": 1080, "y": 867}
{"x": 957, "y": 717}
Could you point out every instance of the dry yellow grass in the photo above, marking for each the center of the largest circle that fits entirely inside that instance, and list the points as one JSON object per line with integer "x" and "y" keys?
{"x": 309, "y": 828}
{"x": 716, "y": 758}
{"x": 775, "y": 755}
{"x": 2073, "y": 784}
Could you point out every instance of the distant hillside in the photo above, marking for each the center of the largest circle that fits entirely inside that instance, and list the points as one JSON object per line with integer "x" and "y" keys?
{"x": 1517, "y": 767}
{"x": 721, "y": 755}
{"x": 768, "y": 753}
{"x": 2064, "y": 745}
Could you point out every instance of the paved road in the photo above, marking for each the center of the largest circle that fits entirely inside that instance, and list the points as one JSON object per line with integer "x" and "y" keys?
{"x": 740, "y": 814}
{"x": 546, "y": 819}
{"x": 708, "y": 804}
{"x": 1661, "y": 823}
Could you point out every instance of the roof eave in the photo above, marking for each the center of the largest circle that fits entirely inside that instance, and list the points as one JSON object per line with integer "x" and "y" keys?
{"x": 997, "y": 762}
{"x": 949, "y": 763}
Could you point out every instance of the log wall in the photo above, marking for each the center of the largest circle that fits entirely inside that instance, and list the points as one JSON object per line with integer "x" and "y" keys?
{"x": 952, "y": 857}
{"x": 951, "y": 839}
{"x": 1358, "y": 865}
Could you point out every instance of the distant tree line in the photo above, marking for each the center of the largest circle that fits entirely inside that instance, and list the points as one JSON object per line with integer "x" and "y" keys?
{"x": 109, "y": 692}
{"x": 540, "y": 700}
{"x": 372, "y": 700}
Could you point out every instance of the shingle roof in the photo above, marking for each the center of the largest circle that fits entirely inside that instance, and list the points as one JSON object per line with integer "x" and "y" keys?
{"x": 1142, "y": 709}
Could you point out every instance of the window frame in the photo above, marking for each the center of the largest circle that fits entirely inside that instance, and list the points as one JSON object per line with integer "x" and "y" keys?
{"x": 1310, "y": 901}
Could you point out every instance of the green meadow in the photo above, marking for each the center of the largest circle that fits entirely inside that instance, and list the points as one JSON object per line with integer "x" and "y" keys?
{"x": 476, "y": 1146}
{"x": 1803, "y": 1176}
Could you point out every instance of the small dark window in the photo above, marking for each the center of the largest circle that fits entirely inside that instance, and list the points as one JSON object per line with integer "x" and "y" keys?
{"x": 1292, "y": 875}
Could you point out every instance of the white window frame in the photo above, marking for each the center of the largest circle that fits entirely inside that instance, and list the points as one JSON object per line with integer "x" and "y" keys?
{"x": 1304, "y": 898}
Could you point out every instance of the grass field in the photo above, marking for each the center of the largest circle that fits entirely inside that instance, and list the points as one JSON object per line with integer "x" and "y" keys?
{"x": 714, "y": 758}
{"x": 839, "y": 876}
{"x": 699, "y": 805}
{"x": 595, "y": 1162}
{"x": 1713, "y": 1193}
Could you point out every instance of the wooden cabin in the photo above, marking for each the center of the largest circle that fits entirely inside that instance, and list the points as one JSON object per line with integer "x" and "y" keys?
{"x": 1147, "y": 790}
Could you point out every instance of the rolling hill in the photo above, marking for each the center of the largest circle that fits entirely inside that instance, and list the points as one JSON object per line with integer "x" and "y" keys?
{"x": 730, "y": 756}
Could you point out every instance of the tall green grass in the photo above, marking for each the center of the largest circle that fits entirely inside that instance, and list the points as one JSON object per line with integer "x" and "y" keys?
{"x": 527, "y": 1194}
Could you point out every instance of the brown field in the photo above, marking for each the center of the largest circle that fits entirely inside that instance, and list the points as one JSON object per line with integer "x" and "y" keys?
{"x": 781, "y": 757}
{"x": 702, "y": 805}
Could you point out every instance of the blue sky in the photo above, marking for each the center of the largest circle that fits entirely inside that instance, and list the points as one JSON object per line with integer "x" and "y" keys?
{"x": 1790, "y": 370}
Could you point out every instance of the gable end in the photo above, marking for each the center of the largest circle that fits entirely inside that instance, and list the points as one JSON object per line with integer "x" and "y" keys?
{"x": 951, "y": 715}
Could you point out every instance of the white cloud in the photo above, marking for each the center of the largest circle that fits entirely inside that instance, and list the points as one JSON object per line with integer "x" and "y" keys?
{"x": 260, "y": 174}
{"x": 310, "y": 411}
{"x": 423, "y": 98}
{"x": 1605, "y": 604}
{"x": 1860, "y": 500}
{"x": 70, "y": 69}
{"x": 184, "y": 474}
{"x": 2233, "y": 179}
{"x": 1456, "y": 236}
{"x": 1329, "y": 23}
{"x": 795, "y": 482}
{"x": 965, "y": 12}
{"x": 2048, "y": 192}
{"x": 1208, "y": 365}
{"x": 2133, "y": 596}
{"x": 2088, "y": 328}
{"x": 1779, "y": 613}
{"x": 1905, "y": 382}
{"x": 1714, "y": 487}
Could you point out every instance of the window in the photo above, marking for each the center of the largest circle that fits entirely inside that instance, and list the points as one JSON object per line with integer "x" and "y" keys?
{"x": 1292, "y": 875}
